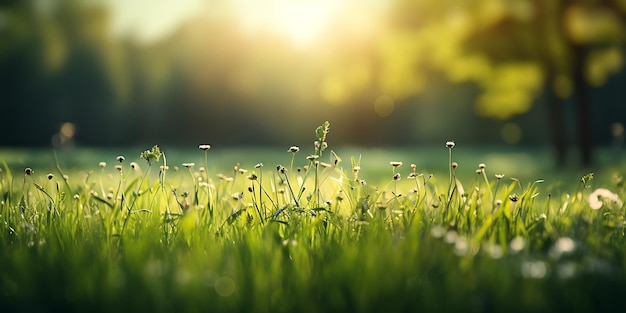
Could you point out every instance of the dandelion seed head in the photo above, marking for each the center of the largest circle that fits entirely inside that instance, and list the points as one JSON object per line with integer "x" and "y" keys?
{"x": 603, "y": 196}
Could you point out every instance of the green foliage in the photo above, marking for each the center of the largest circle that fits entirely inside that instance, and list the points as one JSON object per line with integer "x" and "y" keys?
{"x": 123, "y": 240}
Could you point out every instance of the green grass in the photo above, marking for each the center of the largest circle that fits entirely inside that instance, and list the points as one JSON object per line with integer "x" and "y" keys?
{"x": 186, "y": 240}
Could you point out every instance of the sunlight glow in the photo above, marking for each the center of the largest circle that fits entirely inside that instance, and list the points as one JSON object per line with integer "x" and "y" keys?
{"x": 302, "y": 21}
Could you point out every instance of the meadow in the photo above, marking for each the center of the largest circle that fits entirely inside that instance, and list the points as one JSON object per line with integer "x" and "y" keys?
{"x": 309, "y": 229}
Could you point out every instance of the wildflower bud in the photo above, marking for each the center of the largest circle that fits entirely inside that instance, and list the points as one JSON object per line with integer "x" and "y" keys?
{"x": 312, "y": 157}
{"x": 413, "y": 166}
{"x": 188, "y": 165}
{"x": 513, "y": 198}
{"x": 455, "y": 165}
{"x": 176, "y": 168}
{"x": 482, "y": 166}
{"x": 242, "y": 171}
{"x": 356, "y": 168}
{"x": 498, "y": 202}
{"x": 396, "y": 176}
{"x": 204, "y": 147}
{"x": 479, "y": 171}
{"x": 499, "y": 176}
{"x": 118, "y": 167}
{"x": 29, "y": 171}
{"x": 450, "y": 144}
{"x": 50, "y": 176}
{"x": 324, "y": 164}
{"x": 120, "y": 158}
{"x": 252, "y": 176}
{"x": 76, "y": 196}
{"x": 102, "y": 164}
{"x": 293, "y": 149}
{"x": 134, "y": 165}
{"x": 250, "y": 189}
{"x": 258, "y": 165}
{"x": 395, "y": 164}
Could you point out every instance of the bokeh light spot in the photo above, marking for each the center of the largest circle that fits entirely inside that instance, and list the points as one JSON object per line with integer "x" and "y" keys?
{"x": 68, "y": 130}
{"x": 384, "y": 105}
{"x": 225, "y": 286}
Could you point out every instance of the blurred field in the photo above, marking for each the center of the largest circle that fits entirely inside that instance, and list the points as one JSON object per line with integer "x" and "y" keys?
{"x": 524, "y": 163}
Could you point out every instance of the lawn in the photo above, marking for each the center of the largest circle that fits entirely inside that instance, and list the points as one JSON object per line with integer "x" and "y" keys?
{"x": 309, "y": 229}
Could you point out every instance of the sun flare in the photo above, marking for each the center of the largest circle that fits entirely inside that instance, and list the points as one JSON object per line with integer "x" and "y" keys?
{"x": 301, "y": 21}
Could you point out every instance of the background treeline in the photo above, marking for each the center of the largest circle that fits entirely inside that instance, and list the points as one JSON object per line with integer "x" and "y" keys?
{"x": 423, "y": 72}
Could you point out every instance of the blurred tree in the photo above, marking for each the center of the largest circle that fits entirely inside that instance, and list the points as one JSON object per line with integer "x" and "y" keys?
{"x": 513, "y": 50}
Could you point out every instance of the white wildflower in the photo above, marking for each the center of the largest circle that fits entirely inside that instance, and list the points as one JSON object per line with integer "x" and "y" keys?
{"x": 602, "y": 196}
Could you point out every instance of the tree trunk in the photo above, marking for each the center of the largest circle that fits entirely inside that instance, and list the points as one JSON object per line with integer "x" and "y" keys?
{"x": 581, "y": 99}
{"x": 556, "y": 121}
